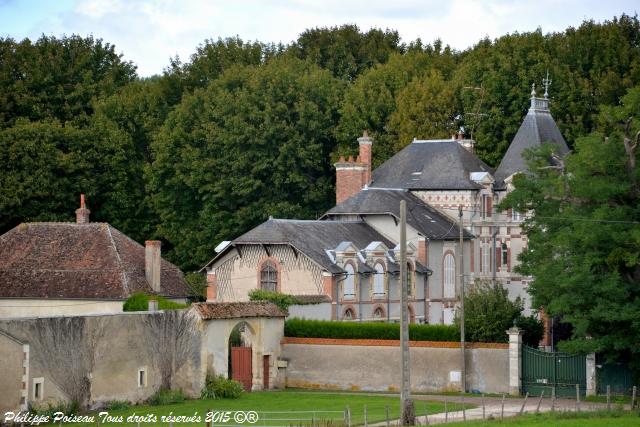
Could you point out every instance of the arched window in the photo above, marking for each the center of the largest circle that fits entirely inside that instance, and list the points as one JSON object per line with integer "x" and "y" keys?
{"x": 505, "y": 254}
{"x": 269, "y": 277}
{"x": 378, "y": 280}
{"x": 378, "y": 313}
{"x": 449, "y": 276}
{"x": 349, "y": 314}
{"x": 349, "y": 282}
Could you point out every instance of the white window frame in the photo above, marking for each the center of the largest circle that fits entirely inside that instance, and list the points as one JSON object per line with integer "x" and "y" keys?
{"x": 144, "y": 377}
{"x": 378, "y": 281}
{"x": 516, "y": 216}
{"x": 349, "y": 284}
{"x": 449, "y": 276}
{"x": 486, "y": 258}
{"x": 38, "y": 381}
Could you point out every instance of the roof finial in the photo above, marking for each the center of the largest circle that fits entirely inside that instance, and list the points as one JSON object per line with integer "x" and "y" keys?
{"x": 533, "y": 90}
{"x": 546, "y": 82}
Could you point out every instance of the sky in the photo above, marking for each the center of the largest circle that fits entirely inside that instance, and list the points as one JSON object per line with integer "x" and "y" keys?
{"x": 149, "y": 32}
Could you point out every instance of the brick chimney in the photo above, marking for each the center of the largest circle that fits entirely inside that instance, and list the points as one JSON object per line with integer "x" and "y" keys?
{"x": 82, "y": 213}
{"x": 152, "y": 264}
{"x": 352, "y": 176}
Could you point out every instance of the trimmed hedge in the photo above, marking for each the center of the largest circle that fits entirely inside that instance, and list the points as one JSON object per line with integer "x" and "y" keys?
{"x": 304, "y": 328}
{"x": 140, "y": 302}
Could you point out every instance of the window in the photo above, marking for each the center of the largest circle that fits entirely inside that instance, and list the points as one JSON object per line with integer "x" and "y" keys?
{"x": 38, "y": 388}
{"x": 378, "y": 313}
{"x": 378, "y": 280}
{"x": 486, "y": 253}
{"x": 505, "y": 254}
{"x": 485, "y": 207}
{"x": 449, "y": 264}
{"x": 142, "y": 377}
{"x": 269, "y": 277}
{"x": 515, "y": 215}
{"x": 349, "y": 282}
{"x": 349, "y": 314}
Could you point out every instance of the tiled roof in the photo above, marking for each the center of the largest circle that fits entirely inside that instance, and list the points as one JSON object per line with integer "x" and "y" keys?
{"x": 84, "y": 261}
{"x": 537, "y": 128}
{"x": 422, "y": 217}
{"x": 235, "y": 310}
{"x": 430, "y": 165}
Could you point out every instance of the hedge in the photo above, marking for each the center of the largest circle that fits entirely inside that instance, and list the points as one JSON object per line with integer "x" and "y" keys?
{"x": 304, "y": 328}
{"x": 140, "y": 302}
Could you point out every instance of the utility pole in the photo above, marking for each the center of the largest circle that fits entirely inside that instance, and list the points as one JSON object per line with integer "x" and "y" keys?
{"x": 407, "y": 411}
{"x": 463, "y": 363}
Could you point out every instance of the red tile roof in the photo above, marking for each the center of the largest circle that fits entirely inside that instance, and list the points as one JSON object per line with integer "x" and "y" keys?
{"x": 69, "y": 260}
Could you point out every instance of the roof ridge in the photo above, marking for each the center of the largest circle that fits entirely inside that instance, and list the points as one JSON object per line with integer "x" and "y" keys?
{"x": 125, "y": 279}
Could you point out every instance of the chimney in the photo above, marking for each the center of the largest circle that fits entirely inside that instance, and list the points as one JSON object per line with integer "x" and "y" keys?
{"x": 352, "y": 176}
{"x": 365, "y": 155}
{"x": 82, "y": 213}
{"x": 152, "y": 264}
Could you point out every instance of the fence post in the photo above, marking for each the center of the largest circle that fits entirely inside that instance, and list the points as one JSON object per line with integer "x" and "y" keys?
{"x": 591, "y": 374}
{"x": 608, "y": 397}
{"x": 365, "y": 415}
{"x": 539, "y": 402}
{"x": 553, "y": 399}
{"x": 386, "y": 409}
{"x": 426, "y": 414}
{"x": 526, "y": 396}
{"x": 633, "y": 398}
{"x": 515, "y": 360}
{"x": 446, "y": 411}
{"x": 577, "y": 397}
{"x": 483, "y": 408}
{"x": 464, "y": 416}
{"x": 502, "y": 408}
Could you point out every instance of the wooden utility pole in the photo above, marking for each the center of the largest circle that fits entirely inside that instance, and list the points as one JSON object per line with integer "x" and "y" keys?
{"x": 463, "y": 363}
{"x": 407, "y": 410}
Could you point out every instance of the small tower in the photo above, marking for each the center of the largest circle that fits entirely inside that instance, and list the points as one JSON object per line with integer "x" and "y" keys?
{"x": 82, "y": 213}
{"x": 353, "y": 175}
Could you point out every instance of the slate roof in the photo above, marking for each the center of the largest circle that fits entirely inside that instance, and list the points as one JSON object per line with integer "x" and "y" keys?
{"x": 77, "y": 261}
{"x": 430, "y": 165}
{"x": 537, "y": 128}
{"x": 236, "y": 310}
{"x": 421, "y": 216}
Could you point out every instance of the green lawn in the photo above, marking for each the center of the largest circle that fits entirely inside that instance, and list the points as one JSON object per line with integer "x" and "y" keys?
{"x": 566, "y": 419}
{"x": 272, "y": 408}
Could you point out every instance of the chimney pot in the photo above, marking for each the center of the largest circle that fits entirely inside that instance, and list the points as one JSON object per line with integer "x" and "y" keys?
{"x": 82, "y": 213}
{"x": 152, "y": 264}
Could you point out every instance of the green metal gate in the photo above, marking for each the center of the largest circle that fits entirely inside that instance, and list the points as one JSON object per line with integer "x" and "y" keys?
{"x": 615, "y": 375}
{"x": 543, "y": 371}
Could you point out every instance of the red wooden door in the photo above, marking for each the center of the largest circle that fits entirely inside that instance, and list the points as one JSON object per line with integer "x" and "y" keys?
{"x": 241, "y": 366}
{"x": 265, "y": 370}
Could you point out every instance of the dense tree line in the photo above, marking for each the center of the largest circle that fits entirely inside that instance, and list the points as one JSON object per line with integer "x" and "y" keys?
{"x": 245, "y": 129}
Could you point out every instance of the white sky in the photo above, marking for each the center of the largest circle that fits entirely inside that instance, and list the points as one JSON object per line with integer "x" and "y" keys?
{"x": 149, "y": 32}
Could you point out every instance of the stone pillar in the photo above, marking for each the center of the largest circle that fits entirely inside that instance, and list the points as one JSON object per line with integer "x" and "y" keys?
{"x": 515, "y": 360}
{"x": 591, "y": 374}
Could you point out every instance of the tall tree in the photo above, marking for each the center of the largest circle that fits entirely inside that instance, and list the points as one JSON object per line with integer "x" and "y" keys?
{"x": 584, "y": 235}
{"x": 254, "y": 143}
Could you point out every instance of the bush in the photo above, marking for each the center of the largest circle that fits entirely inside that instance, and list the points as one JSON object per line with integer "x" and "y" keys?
{"x": 281, "y": 300}
{"x": 166, "y": 397}
{"x": 219, "y": 387}
{"x": 197, "y": 284}
{"x": 373, "y": 330}
{"x": 66, "y": 408}
{"x": 140, "y": 302}
{"x": 532, "y": 330}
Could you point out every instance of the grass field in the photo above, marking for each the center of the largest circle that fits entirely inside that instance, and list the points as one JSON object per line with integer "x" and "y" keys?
{"x": 272, "y": 408}
{"x": 564, "y": 419}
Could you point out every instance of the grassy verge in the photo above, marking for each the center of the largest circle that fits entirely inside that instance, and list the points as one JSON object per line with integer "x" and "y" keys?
{"x": 564, "y": 419}
{"x": 284, "y": 408}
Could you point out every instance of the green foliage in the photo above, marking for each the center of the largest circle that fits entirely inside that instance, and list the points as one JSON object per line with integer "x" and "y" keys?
{"x": 51, "y": 408}
{"x": 584, "y": 240}
{"x": 372, "y": 330}
{"x": 219, "y": 387}
{"x": 489, "y": 313}
{"x": 117, "y": 405}
{"x": 166, "y": 397}
{"x": 140, "y": 302}
{"x": 281, "y": 300}
{"x": 197, "y": 283}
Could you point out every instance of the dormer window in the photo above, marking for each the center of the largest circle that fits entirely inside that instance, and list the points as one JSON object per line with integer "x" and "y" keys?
{"x": 349, "y": 287}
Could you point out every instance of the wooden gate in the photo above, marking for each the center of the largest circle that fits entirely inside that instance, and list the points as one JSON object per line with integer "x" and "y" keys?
{"x": 241, "y": 366}
{"x": 548, "y": 372}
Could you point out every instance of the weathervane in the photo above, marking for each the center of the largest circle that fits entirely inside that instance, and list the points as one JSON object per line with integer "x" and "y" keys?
{"x": 546, "y": 82}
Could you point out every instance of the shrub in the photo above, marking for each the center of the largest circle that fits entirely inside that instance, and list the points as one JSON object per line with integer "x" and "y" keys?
{"x": 374, "y": 330}
{"x": 66, "y": 408}
{"x": 166, "y": 397}
{"x": 281, "y": 300}
{"x": 197, "y": 284}
{"x": 219, "y": 387}
{"x": 140, "y": 302}
{"x": 532, "y": 330}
